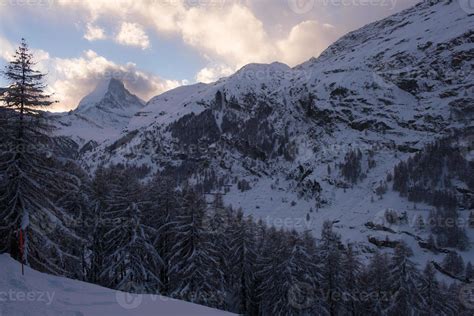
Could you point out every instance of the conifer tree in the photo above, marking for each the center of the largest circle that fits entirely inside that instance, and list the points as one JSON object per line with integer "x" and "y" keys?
{"x": 242, "y": 260}
{"x": 161, "y": 207}
{"x": 454, "y": 263}
{"x": 404, "y": 281}
{"x": 378, "y": 283}
{"x": 352, "y": 269}
{"x": 30, "y": 177}
{"x": 330, "y": 260}
{"x": 195, "y": 272}
{"x": 469, "y": 272}
{"x": 132, "y": 262}
{"x": 433, "y": 302}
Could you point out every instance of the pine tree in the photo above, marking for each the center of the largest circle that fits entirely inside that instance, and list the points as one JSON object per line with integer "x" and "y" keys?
{"x": 100, "y": 189}
{"x": 330, "y": 259}
{"x": 433, "y": 302}
{"x": 431, "y": 244}
{"x": 78, "y": 205}
{"x": 219, "y": 223}
{"x": 288, "y": 279}
{"x": 195, "y": 272}
{"x": 445, "y": 226}
{"x": 454, "y": 264}
{"x": 404, "y": 279}
{"x": 352, "y": 269}
{"x": 242, "y": 260}
{"x": 30, "y": 174}
{"x": 378, "y": 283}
{"x": 132, "y": 262}
{"x": 162, "y": 205}
{"x": 469, "y": 272}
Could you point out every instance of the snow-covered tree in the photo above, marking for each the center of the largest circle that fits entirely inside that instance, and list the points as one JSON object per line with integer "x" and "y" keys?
{"x": 288, "y": 276}
{"x": 434, "y": 300}
{"x": 161, "y": 207}
{"x": 132, "y": 262}
{"x": 404, "y": 280}
{"x": 377, "y": 282}
{"x": 445, "y": 225}
{"x": 96, "y": 243}
{"x": 242, "y": 261}
{"x": 454, "y": 263}
{"x": 194, "y": 269}
{"x": 352, "y": 269}
{"x": 30, "y": 176}
{"x": 469, "y": 271}
{"x": 330, "y": 265}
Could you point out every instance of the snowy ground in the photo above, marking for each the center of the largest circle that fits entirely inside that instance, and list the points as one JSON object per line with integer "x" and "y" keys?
{"x": 39, "y": 294}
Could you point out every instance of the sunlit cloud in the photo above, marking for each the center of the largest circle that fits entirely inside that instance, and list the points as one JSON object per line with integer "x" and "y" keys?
{"x": 213, "y": 73}
{"x": 70, "y": 79}
{"x": 94, "y": 33}
{"x": 132, "y": 34}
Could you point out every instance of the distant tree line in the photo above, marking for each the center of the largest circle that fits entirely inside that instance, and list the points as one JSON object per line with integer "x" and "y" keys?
{"x": 429, "y": 177}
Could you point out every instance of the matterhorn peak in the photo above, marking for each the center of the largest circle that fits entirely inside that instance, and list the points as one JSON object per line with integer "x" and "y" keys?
{"x": 110, "y": 94}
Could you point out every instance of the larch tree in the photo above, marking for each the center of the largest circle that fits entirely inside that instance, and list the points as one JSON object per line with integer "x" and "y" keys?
{"x": 161, "y": 206}
{"x": 30, "y": 221}
{"x": 404, "y": 280}
{"x": 242, "y": 260}
{"x": 132, "y": 262}
{"x": 196, "y": 275}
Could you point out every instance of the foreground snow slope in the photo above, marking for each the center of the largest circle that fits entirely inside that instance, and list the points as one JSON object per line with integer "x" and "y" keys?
{"x": 37, "y": 293}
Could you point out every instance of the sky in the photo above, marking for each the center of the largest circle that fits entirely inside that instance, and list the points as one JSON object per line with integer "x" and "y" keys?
{"x": 156, "y": 45}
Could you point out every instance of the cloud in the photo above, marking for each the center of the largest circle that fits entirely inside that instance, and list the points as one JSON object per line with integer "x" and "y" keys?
{"x": 73, "y": 78}
{"x": 233, "y": 34}
{"x": 304, "y": 41}
{"x": 213, "y": 73}
{"x": 94, "y": 33}
{"x": 70, "y": 79}
{"x": 132, "y": 34}
{"x": 6, "y": 49}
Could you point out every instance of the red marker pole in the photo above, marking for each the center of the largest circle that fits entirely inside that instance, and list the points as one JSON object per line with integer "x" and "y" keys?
{"x": 21, "y": 252}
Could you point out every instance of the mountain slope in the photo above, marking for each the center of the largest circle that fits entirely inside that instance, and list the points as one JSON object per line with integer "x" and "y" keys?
{"x": 278, "y": 140}
{"x": 37, "y": 293}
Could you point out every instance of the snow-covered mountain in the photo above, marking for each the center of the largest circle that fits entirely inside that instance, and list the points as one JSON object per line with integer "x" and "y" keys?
{"x": 101, "y": 115}
{"x": 37, "y": 293}
{"x": 275, "y": 138}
